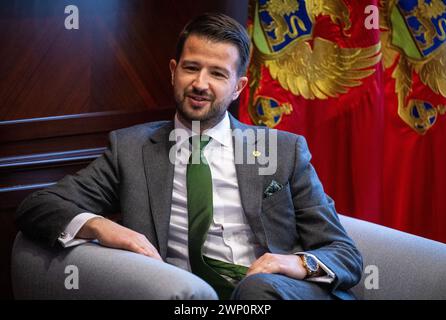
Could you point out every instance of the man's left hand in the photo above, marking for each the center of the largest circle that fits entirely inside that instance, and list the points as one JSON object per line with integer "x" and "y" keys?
{"x": 289, "y": 265}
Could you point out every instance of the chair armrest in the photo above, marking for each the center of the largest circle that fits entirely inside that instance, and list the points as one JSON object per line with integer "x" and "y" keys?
{"x": 39, "y": 272}
{"x": 409, "y": 267}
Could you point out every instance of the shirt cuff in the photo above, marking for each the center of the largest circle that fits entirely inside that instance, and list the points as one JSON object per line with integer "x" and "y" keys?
{"x": 68, "y": 237}
{"x": 327, "y": 278}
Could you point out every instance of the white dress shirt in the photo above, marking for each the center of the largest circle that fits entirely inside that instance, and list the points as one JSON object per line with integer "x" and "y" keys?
{"x": 230, "y": 237}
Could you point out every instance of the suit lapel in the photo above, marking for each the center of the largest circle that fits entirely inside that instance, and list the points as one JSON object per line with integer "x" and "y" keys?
{"x": 249, "y": 181}
{"x": 159, "y": 175}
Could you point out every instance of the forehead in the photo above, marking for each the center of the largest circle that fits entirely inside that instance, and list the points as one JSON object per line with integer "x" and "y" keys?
{"x": 205, "y": 51}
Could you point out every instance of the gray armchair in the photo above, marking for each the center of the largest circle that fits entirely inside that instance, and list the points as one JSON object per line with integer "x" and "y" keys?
{"x": 398, "y": 266}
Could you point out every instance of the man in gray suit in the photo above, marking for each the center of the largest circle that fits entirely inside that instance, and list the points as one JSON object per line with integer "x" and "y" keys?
{"x": 247, "y": 233}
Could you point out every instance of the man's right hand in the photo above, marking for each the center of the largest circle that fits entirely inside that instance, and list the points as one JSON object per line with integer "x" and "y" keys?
{"x": 113, "y": 235}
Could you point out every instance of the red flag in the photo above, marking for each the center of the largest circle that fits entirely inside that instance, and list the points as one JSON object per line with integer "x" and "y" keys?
{"x": 413, "y": 34}
{"x": 316, "y": 71}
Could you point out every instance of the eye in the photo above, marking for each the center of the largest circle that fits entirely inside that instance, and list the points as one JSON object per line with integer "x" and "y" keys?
{"x": 191, "y": 68}
{"x": 218, "y": 74}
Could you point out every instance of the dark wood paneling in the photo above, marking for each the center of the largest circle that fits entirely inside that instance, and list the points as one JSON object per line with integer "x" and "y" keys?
{"x": 77, "y": 124}
{"x": 36, "y": 152}
{"x": 117, "y": 60}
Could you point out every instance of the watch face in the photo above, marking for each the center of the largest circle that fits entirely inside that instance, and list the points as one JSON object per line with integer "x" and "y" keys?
{"x": 311, "y": 263}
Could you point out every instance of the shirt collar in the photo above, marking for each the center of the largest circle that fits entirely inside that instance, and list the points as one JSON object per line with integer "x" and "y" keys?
{"x": 221, "y": 132}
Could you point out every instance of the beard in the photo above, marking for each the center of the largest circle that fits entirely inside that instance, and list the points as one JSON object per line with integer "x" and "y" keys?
{"x": 211, "y": 116}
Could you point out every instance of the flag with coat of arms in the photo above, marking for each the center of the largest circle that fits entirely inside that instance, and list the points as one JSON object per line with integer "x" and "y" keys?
{"x": 365, "y": 83}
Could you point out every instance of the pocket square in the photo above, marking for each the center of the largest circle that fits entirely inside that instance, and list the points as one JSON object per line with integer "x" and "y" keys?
{"x": 273, "y": 187}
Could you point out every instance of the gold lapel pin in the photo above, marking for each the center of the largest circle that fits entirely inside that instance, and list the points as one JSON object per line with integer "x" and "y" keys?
{"x": 256, "y": 153}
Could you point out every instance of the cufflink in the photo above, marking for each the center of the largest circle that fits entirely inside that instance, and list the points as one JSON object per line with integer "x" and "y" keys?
{"x": 63, "y": 235}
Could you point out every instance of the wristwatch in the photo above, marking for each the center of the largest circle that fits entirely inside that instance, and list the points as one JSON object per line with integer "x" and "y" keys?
{"x": 310, "y": 264}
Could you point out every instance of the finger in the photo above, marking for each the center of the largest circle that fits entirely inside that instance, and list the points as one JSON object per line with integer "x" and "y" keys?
{"x": 137, "y": 248}
{"x": 258, "y": 262}
{"x": 267, "y": 265}
{"x": 151, "y": 246}
{"x": 149, "y": 251}
{"x": 259, "y": 268}
{"x": 153, "y": 252}
{"x": 143, "y": 249}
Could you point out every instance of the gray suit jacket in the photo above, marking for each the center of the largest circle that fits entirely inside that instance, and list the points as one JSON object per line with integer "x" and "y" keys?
{"x": 134, "y": 177}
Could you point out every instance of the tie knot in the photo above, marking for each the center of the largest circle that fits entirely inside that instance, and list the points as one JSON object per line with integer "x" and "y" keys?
{"x": 199, "y": 142}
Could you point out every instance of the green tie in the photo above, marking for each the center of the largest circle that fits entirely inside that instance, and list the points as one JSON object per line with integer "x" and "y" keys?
{"x": 200, "y": 211}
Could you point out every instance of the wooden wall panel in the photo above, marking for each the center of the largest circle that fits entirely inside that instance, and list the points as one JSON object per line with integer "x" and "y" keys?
{"x": 62, "y": 91}
{"x": 117, "y": 60}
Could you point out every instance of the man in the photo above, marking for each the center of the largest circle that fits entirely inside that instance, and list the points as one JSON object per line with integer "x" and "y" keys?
{"x": 247, "y": 235}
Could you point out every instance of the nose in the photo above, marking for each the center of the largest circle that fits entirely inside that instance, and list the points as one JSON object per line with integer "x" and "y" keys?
{"x": 201, "y": 81}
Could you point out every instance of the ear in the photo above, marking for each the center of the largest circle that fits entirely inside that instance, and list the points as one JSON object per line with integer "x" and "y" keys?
{"x": 241, "y": 83}
{"x": 172, "y": 67}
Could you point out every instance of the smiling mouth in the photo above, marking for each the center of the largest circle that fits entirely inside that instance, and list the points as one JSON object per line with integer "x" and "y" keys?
{"x": 199, "y": 98}
{"x": 198, "y": 101}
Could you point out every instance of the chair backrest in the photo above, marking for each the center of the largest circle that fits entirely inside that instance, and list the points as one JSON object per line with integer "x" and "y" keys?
{"x": 397, "y": 265}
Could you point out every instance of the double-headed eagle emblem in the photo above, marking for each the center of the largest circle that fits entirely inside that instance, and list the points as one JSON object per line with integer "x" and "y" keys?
{"x": 282, "y": 31}
{"x": 413, "y": 36}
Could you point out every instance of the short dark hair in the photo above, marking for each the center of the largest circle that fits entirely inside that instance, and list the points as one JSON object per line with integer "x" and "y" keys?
{"x": 218, "y": 27}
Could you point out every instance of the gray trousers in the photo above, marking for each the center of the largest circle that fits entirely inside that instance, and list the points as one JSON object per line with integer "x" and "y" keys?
{"x": 90, "y": 271}
{"x": 264, "y": 286}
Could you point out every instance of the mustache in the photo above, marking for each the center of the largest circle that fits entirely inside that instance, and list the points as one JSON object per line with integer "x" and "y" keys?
{"x": 199, "y": 94}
